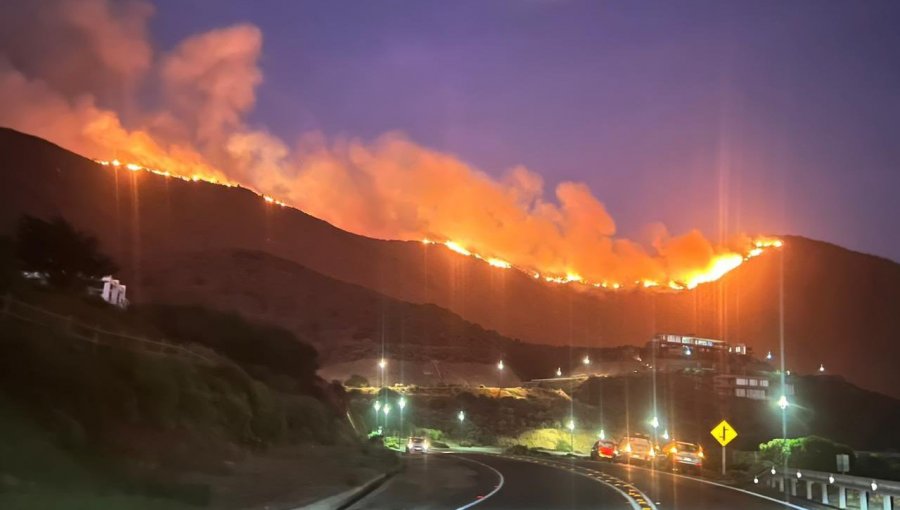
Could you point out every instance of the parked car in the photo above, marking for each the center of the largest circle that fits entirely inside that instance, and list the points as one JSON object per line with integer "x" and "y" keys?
{"x": 604, "y": 449}
{"x": 417, "y": 445}
{"x": 635, "y": 448}
{"x": 682, "y": 456}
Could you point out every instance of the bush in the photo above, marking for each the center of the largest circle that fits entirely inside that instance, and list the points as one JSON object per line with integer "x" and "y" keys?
{"x": 811, "y": 452}
{"x": 356, "y": 381}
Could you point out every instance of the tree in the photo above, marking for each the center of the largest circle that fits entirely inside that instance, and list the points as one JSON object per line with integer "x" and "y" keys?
{"x": 69, "y": 257}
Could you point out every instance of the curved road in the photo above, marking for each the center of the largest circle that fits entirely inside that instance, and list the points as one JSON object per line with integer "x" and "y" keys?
{"x": 460, "y": 481}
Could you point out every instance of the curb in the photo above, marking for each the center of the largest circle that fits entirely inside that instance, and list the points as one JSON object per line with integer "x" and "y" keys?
{"x": 350, "y": 496}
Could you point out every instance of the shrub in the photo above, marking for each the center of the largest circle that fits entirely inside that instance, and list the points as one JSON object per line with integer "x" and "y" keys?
{"x": 356, "y": 381}
{"x": 810, "y": 452}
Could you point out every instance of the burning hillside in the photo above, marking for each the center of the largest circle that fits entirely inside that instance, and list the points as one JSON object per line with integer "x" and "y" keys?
{"x": 717, "y": 267}
{"x": 80, "y": 88}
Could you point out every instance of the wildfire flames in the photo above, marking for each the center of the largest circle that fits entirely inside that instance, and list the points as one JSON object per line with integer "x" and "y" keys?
{"x": 718, "y": 267}
{"x": 74, "y": 76}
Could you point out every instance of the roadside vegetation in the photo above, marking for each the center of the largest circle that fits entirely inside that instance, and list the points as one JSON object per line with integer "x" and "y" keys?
{"x": 100, "y": 426}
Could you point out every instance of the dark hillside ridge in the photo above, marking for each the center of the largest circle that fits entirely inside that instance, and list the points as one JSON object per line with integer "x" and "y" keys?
{"x": 840, "y": 308}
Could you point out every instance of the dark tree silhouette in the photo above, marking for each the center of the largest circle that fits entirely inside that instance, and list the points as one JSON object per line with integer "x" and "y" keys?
{"x": 67, "y": 256}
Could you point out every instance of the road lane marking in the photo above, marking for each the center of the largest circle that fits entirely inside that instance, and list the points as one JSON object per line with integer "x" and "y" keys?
{"x": 482, "y": 499}
{"x": 636, "y": 503}
{"x": 709, "y": 482}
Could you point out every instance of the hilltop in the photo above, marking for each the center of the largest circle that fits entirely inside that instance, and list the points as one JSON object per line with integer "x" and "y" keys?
{"x": 839, "y": 307}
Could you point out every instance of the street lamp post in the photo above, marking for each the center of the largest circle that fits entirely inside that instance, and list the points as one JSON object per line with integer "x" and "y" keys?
{"x": 500, "y": 367}
{"x": 401, "y": 404}
{"x": 571, "y": 427}
{"x": 377, "y": 406}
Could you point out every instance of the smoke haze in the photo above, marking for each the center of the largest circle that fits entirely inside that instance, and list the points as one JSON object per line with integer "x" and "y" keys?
{"x": 73, "y": 71}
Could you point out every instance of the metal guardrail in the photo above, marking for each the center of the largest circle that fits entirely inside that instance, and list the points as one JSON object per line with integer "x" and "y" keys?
{"x": 867, "y": 490}
{"x": 75, "y": 329}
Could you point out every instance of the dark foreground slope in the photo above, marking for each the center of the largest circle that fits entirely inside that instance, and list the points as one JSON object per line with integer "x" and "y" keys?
{"x": 840, "y": 308}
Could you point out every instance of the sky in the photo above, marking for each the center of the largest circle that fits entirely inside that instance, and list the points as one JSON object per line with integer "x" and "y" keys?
{"x": 608, "y": 142}
{"x": 765, "y": 117}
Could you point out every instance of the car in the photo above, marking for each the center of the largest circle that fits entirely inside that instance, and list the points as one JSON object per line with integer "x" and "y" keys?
{"x": 604, "y": 449}
{"x": 417, "y": 445}
{"x": 684, "y": 456}
{"x": 636, "y": 448}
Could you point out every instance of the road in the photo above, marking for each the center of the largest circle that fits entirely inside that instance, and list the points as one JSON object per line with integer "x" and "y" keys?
{"x": 454, "y": 481}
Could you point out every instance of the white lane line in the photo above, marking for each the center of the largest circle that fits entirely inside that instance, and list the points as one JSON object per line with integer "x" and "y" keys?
{"x": 708, "y": 482}
{"x": 489, "y": 494}
{"x": 631, "y": 501}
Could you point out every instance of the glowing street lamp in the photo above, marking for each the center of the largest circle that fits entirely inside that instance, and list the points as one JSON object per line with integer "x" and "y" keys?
{"x": 688, "y": 351}
{"x": 559, "y": 372}
{"x": 586, "y": 360}
{"x": 461, "y": 416}
{"x": 377, "y": 405}
{"x": 602, "y": 434}
{"x": 654, "y": 423}
{"x": 666, "y": 434}
{"x": 382, "y": 363}
{"x": 387, "y": 409}
{"x": 500, "y": 365}
{"x": 769, "y": 355}
{"x": 821, "y": 368}
{"x": 571, "y": 427}
{"x": 783, "y": 402}
{"x": 401, "y": 404}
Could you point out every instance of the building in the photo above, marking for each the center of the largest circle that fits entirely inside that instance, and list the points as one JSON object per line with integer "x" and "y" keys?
{"x": 755, "y": 387}
{"x": 689, "y": 345}
{"x": 114, "y": 292}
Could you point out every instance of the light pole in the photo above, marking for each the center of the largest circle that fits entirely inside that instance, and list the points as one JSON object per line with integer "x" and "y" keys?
{"x": 377, "y": 406}
{"x": 571, "y": 427}
{"x": 401, "y": 404}
{"x": 500, "y": 367}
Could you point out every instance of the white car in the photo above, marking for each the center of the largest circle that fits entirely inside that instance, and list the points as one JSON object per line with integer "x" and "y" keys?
{"x": 417, "y": 445}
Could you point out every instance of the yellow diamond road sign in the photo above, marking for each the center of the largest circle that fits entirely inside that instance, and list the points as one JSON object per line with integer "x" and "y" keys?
{"x": 723, "y": 432}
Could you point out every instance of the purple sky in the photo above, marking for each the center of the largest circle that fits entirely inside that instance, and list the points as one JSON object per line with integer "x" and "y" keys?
{"x": 765, "y": 117}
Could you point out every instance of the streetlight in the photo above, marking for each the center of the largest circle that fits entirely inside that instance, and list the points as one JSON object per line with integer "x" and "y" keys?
{"x": 654, "y": 423}
{"x": 688, "y": 351}
{"x": 559, "y": 372}
{"x": 783, "y": 402}
{"x": 461, "y": 416}
{"x": 377, "y": 406}
{"x": 382, "y": 363}
{"x": 821, "y": 368}
{"x": 586, "y": 360}
{"x": 571, "y": 427}
{"x": 666, "y": 434}
{"x": 602, "y": 434}
{"x": 401, "y": 404}
{"x": 387, "y": 409}
{"x": 769, "y": 355}
{"x": 500, "y": 365}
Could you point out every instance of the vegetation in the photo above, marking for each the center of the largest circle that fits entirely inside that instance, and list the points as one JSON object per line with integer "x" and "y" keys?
{"x": 70, "y": 258}
{"x": 356, "y": 381}
{"x": 809, "y": 452}
{"x": 248, "y": 343}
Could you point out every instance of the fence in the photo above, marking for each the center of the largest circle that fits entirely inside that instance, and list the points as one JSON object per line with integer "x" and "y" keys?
{"x": 77, "y": 330}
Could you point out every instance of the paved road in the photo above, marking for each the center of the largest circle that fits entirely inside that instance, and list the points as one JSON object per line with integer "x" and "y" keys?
{"x": 438, "y": 481}
{"x": 669, "y": 490}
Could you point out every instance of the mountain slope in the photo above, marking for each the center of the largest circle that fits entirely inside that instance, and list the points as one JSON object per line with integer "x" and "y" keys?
{"x": 841, "y": 308}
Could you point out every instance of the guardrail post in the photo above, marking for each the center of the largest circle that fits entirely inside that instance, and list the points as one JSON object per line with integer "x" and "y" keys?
{"x": 793, "y": 486}
{"x": 824, "y": 493}
{"x": 781, "y": 484}
{"x": 842, "y": 497}
{"x": 809, "y": 486}
{"x": 887, "y": 502}
{"x": 863, "y": 500}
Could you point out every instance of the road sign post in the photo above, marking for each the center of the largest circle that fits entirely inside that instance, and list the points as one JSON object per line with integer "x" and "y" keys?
{"x": 724, "y": 433}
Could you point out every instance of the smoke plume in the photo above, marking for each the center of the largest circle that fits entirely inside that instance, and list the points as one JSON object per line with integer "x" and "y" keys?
{"x": 72, "y": 71}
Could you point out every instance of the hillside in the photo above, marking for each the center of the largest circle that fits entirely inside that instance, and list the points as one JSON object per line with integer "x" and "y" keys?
{"x": 840, "y": 307}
